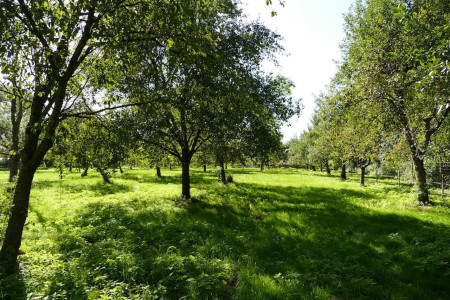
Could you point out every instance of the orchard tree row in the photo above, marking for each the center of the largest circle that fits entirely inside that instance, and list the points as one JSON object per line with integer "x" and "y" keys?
{"x": 100, "y": 79}
{"x": 389, "y": 102}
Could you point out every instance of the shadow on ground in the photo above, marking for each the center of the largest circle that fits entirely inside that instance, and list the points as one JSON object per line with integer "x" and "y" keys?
{"x": 249, "y": 241}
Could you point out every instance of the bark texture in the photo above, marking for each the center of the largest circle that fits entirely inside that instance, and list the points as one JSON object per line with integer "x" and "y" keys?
{"x": 223, "y": 177}
{"x": 343, "y": 172}
{"x": 85, "y": 172}
{"x": 363, "y": 174}
{"x": 327, "y": 166}
{"x": 185, "y": 174}
{"x": 158, "y": 171}
{"x": 105, "y": 175}
{"x": 421, "y": 176}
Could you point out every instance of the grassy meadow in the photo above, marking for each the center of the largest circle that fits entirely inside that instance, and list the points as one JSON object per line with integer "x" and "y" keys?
{"x": 277, "y": 234}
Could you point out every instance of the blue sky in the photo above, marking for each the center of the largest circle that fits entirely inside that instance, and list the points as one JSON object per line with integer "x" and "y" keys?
{"x": 312, "y": 31}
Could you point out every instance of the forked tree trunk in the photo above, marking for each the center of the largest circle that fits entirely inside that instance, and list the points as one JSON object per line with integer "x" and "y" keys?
{"x": 327, "y": 166}
{"x": 185, "y": 175}
{"x": 158, "y": 171}
{"x": 104, "y": 174}
{"x": 421, "y": 176}
{"x": 14, "y": 161}
{"x": 85, "y": 172}
{"x": 343, "y": 172}
{"x": 223, "y": 178}
{"x": 363, "y": 173}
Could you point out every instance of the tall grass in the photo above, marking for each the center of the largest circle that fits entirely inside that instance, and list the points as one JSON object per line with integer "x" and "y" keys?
{"x": 277, "y": 234}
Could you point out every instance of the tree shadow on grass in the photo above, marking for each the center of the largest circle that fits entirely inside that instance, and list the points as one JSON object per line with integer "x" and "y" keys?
{"x": 196, "y": 178}
{"x": 12, "y": 287}
{"x": 45, "y": 184}
{"x": 249, "y": 241}
{"x": 101, "y": 188}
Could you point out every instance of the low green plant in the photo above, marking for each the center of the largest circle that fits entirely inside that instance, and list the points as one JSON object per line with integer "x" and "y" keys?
{"x": 278, "y": 234}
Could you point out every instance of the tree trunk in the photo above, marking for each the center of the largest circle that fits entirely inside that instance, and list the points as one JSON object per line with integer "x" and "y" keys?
{"x": 85, "y": 172}
{"x": 204, "y": 168}
{"x": 313, "y": 167}
{"x": 70, "y": 168}
{"x": 158, "y": 171}
{"x": 185, "y": 176}
{"x": 421, "y": 176}
{"x": 442, "y": 181}
{"x": 120, "y": 169}
{"x": 343, "y": 172}
{"x": 170, "y": 166}
{"x": 327, "y": 166}
{"x": 321, "y": 167}
{"x": 262, "y": 167}
{"x": 104, "y": 174}
{"x": 16, "y": 120}
{"x": 14, "y": 161}
{"x": 18, "y": 216}
{"x": 363, "y": 173}
{"x": 223, "y": 178}
{"x": 398, "y": 175}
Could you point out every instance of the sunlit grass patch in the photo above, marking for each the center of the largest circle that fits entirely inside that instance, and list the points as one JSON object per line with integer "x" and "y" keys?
{"x": 277, "y": 234}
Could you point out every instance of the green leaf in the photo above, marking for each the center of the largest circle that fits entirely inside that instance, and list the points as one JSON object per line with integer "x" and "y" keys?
{"x": 170, "y": 43}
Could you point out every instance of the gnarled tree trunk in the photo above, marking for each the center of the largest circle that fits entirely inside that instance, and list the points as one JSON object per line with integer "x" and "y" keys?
{"x": 105, "y": 175}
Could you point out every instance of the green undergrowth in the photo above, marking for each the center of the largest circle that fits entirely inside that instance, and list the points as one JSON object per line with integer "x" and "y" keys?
{"x": 277, "y": 234}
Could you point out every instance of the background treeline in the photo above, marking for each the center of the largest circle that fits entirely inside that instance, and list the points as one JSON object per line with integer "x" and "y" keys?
{"x": 388, "y": 106}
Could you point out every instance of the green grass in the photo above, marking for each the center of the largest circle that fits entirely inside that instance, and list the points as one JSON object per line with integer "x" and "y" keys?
{"x": 280, "y": 234}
